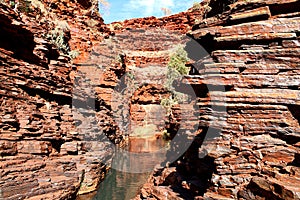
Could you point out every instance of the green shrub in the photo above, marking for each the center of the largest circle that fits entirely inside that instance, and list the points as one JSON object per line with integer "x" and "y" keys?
{"x": 167, "y": 103}
{"x": 20, "y": 6}
{"x": 73, "y": 54}
{"x": 117, "y": 26}
{"x": 58, "y": 38}
{"x": 172, "y": 75}
{"x": 178, "y": 60}
{"x": 176, "y": 68}
{"x": 130, "y": 75}
{"x": 165, "y": 135}
{"x": 118, "y": 59}
{"x": 196, "y": 6}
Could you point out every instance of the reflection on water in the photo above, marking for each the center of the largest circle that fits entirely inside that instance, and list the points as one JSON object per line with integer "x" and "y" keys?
{"x": 120, "y": 185}
{"x": 134, "y": 164}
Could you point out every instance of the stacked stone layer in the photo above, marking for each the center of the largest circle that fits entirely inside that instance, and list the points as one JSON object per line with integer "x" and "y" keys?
{"x": 44, "y": 153}
{"x": 247, "y": 145}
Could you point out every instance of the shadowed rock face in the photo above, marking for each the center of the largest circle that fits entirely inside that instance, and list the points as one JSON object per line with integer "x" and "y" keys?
{"x": 255, "y": 79}
{"x": 43, "y": 154}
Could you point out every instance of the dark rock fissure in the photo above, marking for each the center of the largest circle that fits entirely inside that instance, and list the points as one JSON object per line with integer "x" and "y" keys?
{"x": 18, "y": 40}
{"x": 295, "y": 110}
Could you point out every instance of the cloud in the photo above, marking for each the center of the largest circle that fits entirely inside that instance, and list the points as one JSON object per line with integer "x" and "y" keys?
{"x": 149, "y": 7}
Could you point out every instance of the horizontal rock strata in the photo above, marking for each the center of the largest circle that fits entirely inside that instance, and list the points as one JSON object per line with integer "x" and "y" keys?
{"x": 44, "y": 152}
{"x": 247, "y": 145}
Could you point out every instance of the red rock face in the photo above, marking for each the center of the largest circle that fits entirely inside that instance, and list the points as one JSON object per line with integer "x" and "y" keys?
{"x": 44, "y": 155}
{"x": 180, "y": 22}
{"x": 255, "y": 49}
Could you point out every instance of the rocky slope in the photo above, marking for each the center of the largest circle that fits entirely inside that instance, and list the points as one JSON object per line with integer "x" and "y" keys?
{"x": 248, "y": 147}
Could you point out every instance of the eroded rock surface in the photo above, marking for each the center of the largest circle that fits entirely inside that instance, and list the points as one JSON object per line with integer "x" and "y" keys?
{"x": 44, "y": 155}
{"x": 247, "y": 146}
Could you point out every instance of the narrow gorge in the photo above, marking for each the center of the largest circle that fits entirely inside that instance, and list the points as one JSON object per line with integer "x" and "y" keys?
{"x": 203, "y": 104}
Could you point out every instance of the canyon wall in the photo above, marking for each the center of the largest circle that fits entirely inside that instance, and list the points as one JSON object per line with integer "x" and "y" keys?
{"x": 44, "y": 152}
{"x": 181, "y": 22}
{"x": 55, "y": 108}
{"x": 246, "y": 143}
{"x": 247, "y": 146}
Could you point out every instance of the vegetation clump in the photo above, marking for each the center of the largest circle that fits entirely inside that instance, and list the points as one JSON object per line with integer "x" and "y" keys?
{"x": 60, "y": 36}
{"x": 176, "y": 69}
{"x": 25, "y": 6}
{"x": 178, "y": 60}
{"x": 117, "y": 26}
{"x": 166, "y": 135}
{"x": 196, "y": 6}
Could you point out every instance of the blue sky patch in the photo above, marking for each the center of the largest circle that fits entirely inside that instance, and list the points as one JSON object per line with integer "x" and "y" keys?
{"x": 121, "y": 10}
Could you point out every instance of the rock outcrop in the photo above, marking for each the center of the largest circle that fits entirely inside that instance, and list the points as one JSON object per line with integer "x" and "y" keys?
{"x": 44, "y": 152}
{"x": 182, "y": 22}
{"x": 247, "y": 146}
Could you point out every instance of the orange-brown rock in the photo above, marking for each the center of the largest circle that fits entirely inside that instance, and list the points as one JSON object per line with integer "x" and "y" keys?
{"x": 248, "y": 147}
{"x": 44, "y": 154}
{"x": 181, "y": 22}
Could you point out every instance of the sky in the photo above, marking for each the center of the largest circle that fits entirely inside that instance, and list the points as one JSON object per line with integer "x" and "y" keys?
{"x": 120, "y": 10}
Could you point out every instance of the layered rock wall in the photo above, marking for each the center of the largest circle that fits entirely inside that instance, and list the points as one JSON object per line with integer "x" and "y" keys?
{"x": 247, "y": 142}
{"x": 248, "y": 146}
{"x": 43, "y": 153}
